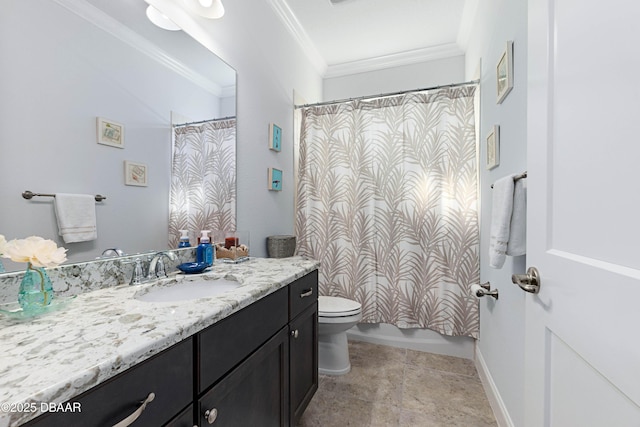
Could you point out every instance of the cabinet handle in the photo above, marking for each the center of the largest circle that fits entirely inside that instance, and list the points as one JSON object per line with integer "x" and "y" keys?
{"x": 295, "y": 333}
{"x": 211, "y": 415}
{"x": 134, "y": 416}
{"x": 307, "y": 293}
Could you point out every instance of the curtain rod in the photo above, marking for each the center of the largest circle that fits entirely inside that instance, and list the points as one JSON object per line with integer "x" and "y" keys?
{"x": 383, "y": 95}
{"x": 204, "y": 121}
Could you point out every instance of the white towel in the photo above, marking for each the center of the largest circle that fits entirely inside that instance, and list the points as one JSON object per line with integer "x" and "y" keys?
{"x": 76, "y": 214}
{"x": 500, "y": 220}
{"x": 518, "y": 230}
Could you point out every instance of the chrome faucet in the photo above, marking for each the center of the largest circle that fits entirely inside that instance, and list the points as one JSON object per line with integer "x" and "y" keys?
{"x": 112, "y": 252}
{"x": 156, "y": 266}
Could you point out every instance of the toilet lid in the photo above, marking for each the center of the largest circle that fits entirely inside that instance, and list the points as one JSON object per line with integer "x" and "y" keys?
{"x": 337, "y": 307}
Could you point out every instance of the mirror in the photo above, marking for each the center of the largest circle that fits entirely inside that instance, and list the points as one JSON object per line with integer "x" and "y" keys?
{"x": 67, "y": 63}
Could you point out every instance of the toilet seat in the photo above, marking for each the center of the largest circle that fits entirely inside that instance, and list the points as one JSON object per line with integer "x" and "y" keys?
{"x": 331, "y": 307}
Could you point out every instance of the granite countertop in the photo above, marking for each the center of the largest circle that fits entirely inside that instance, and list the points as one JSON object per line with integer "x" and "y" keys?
{"x": 52, "y": 358}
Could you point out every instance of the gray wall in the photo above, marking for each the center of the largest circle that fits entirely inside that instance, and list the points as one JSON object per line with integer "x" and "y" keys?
{"x": 270, "y": 65}
{"x": 246, "y": 38}
{"x": 501, "y": 351}
{"x": 62, "y": 72}
{"x": 408, "y": 77}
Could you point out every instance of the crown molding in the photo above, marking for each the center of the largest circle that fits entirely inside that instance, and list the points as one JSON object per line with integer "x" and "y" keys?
{"x": 228, "y": 91}
{"x": 291, "y": 23}
{"x": 394, "y": 60}
{"x": 107, "y": 23}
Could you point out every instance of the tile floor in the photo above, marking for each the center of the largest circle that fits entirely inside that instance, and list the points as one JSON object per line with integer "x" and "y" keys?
{"x": 390, "y": 386}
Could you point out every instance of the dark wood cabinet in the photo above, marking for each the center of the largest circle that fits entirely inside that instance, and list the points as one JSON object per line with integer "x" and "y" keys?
{"x": 303, "y": 343}
{"x": 255, "y": 393}
{"x": 225, "y": 344}
{"x": 257, "y": 367}
{"x": 183, "y": 419}
{"x": 168, "y": 375}
{"x": 303, "y": 361}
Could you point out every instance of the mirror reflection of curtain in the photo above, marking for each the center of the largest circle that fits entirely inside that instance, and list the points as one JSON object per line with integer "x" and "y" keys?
{"x": 386, "y": 199}
{"x": 203, "y": 179}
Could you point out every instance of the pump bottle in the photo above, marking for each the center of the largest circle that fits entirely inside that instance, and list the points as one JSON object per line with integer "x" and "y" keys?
{"x": 184, "y": 239}
{"x": 204, "y": 251}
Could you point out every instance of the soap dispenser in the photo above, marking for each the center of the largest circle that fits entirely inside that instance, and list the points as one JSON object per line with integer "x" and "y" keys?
{"x": 184, "y": 239}
{"x": 204, "y": 252}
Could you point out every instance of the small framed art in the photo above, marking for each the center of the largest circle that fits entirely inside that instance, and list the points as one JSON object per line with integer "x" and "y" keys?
{"x": 493, "y": 147}
{"x": 275, "y": 179}
{"x": 504, "y": 73}
{"x": 110, "y": 133}
{"x": 275, "y": 137}
{"x": 135, "y": 174}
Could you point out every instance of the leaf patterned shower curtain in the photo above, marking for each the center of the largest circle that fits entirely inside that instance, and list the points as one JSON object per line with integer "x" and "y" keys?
{"x": 203, "y": 179}
{"x": 386, "y": 199}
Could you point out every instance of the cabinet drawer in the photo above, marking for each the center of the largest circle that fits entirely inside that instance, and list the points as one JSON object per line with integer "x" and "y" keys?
{"x": 169, "y": 375}
{"x": 303, "y": 293}
{"x": 226, "y": 343}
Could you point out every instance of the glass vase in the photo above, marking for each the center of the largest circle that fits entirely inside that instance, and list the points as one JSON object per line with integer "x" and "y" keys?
{"x": 36, "y": 290}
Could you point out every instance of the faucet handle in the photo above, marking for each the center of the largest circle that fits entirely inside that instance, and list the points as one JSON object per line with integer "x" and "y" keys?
{"x": 160, "y": 270}
{"x": 138, "y": 273}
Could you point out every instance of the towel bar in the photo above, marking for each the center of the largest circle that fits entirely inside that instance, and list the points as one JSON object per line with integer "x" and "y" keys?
{"x": 517, "y": 177}
{"x": 29, "y": 195}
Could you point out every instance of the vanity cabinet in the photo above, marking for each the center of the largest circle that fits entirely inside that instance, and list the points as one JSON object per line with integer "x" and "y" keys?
{"x": 225, "y": 344}
{"x": 257, "y": 367}
{"x": 274, "y": 385}
{"x": 244, "y": 367}
{"x": 253, "y": 394}
{"x": 303, "y": 344}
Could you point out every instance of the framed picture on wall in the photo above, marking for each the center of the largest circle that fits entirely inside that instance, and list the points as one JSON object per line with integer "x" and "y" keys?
{"x": 275, "y": 137}
{"x": 110, "y": 133}
{"x": 504, "y": 73}
{"x": 493, "y": 147}
{"x": 135, "y": 174}
{"x": 275, "y": 179}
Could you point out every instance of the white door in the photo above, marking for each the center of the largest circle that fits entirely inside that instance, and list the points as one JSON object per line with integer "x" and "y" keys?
{"x": 583, "y": 328}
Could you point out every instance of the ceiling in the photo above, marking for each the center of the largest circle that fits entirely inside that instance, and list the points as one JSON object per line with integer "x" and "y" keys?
{"x": 348, "y": 36}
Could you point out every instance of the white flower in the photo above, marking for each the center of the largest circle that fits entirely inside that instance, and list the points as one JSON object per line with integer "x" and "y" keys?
{"x": 36, "y": 250}
{"x": 3, "y": 242}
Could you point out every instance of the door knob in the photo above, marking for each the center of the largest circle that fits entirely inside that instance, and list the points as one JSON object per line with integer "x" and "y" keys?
{"x": 529, "y": 282}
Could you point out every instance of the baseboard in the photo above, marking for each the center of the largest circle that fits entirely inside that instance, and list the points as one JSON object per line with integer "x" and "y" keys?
{"x": 413, "y": 339}
{"x": 490, "y": 389}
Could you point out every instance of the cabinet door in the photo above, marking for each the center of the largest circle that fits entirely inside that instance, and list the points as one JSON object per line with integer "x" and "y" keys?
{"x": 183, "y": 419}
{"x": 303, "y": 360}
{"x": 223, "y": 345}
{"x": 255, "y": 393}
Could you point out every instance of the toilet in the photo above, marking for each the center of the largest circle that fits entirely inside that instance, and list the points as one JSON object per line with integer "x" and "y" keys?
{"x": 335, "y": 316}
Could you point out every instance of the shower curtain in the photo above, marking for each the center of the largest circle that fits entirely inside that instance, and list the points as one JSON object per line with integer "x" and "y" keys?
{"x": 386, "y": 200}
{"x": 203, "y": 179}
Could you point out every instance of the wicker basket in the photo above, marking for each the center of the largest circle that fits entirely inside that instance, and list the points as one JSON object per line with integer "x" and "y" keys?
{"x": 281, "y": 246}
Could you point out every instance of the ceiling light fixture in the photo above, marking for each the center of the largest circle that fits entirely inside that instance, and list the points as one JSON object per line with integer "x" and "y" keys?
{"x": 160, "y": 19}
{"x": 212, "y": 9}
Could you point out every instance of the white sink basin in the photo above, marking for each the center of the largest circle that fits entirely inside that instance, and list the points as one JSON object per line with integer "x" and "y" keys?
{"x": 188, "y": 289}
